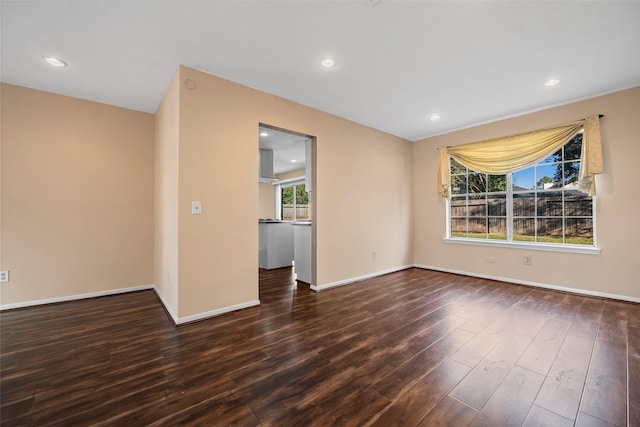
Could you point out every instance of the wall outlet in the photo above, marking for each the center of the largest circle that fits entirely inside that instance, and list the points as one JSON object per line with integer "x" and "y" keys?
{"x": 374, "y": 255}
{"x": 4, "y": 276}
{"x": 526, "y": 260}
{"x": 196, "y": 207}
{"x": 490, "y": 260}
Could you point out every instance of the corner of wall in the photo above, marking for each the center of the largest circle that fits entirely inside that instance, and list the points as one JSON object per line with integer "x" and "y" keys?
{"x": 166, "y": 156}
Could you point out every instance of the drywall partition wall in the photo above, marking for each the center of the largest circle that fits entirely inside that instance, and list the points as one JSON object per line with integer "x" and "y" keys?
{"x": 614, "y": 271}
{"x": 362, "y": 195}
{"x": 267, "y": 200}
{"x": 77, "y": 197}
{"x": 217, "y": 250}
{"x": 167, "y": 126}
{"x": 1, "y": 263}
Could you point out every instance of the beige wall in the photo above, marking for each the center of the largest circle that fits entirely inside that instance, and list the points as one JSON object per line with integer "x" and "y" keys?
{"x": 292, "y": 174}
{"x": 613, "y": 271}
{"x": 167, "y": 133}
{"x": 77, "y": 196}
{"x": 362, "y": 193}
{"x": 267, "y": 206}
{"x": 77, "y": 199}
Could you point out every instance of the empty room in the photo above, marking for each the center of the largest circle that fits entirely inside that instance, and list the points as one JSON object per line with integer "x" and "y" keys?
{"x": 319, "y": 213}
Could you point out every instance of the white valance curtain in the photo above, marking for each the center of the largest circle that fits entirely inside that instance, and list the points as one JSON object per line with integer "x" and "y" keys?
{"x": 511, "y": 153}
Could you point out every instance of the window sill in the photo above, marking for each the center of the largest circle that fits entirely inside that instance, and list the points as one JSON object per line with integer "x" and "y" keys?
{"x": 579, "y": 249}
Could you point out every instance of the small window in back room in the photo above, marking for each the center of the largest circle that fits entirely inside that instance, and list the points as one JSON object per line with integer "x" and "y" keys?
{"x": 294, "y": 204}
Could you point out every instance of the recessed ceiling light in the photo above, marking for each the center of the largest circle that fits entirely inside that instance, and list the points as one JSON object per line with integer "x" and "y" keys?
{"x": 435, "y": 117}
{"x": 327, "y": 63}
{"x": 264, "y": 134}
{"x": 55, "y": 62}
{"x": 551, "y": 82}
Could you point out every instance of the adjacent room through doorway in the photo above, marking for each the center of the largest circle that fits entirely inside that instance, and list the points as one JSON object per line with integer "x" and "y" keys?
{"x": 285, "y": 218}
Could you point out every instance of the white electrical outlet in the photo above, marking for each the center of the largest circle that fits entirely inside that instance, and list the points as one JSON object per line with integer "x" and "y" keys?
{"x": 4, "y": 276}
{"x": 196, "y": 208}
{"x": 490, "y": 260}
{"x": 374, "y": 255}
{"x": 526, "y": 260}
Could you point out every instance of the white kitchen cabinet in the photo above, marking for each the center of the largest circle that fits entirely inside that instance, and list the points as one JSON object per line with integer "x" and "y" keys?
{"x": 275, "y": 241}
{"x": 302, "y": 250}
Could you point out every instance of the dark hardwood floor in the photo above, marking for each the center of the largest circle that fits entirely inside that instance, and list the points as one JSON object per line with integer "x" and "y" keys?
{"x": 411, "y": 348}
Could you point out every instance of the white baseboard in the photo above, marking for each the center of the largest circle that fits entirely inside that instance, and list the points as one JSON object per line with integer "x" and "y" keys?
{"x": 359, "y": 278}
{"x": 166, "y": 305}
{"x": 75, "y": 297}
{"x": 529, "y": 283}
{"x": 176, "y": 320}
{"x": 216, "y": 312}
{"x": 181, "y": 320}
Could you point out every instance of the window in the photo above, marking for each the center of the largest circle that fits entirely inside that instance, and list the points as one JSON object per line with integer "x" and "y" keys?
{"x": 293, "y": 201}
{"x": 538, "y": 204}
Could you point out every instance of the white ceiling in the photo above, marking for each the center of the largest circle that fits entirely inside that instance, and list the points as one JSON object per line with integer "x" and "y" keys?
{"x": 288, "y": 149}
{"x": 396, "y": 62}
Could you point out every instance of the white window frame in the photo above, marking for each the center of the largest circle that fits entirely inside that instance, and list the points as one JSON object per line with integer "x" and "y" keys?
{"x": 510, "y": 243}
{"x": 279, "y": 185}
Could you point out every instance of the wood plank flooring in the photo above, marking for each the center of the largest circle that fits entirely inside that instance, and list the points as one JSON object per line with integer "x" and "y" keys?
{"x": 413, "y": 348}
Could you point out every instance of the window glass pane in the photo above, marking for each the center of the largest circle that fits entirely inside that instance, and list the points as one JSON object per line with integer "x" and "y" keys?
{"x": 458, "y": 227}
{"x": 302, "y": 212}
{"x": 458, "y": 206}
{"x": 579, "y": 231}
{"x": 549, "y": 203}
{"x": 477, "y": 183}
{"x": 497, "y": 204}
{"x": 524, "y": 229}
{"x": 302, "y": 197}
{"x": 287, "y": 204}
{"x": 458, "y": 184}
{"x": 477, "y": 206}
{"x": 555, "y": 157}
{"x": 550, "y": 230}
{"x": 524, "y": 204}
{"x": 542, "y": 205}
{"x": 294, "y": 208}
{"x": 549, "y": 176}
{"x": 523, "y": 180}
{"x": 302, "y": 202}
{"x": 577, "y": 204}
{"x": 478, "y": 228}
{"x": 571, "y": 171}
{"x": 457, "y": 168}
{"x": 287, "y": 195}
{"x": 497, "y": 183}
{"x": 573, "y": 148}
{"x": 498, "y": 228}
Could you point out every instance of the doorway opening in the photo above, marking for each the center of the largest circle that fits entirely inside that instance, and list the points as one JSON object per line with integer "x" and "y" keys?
{"x": 286, "y": 230}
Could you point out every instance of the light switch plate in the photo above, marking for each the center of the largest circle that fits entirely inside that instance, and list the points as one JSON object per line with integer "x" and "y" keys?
{"x": 196, "y": 208}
